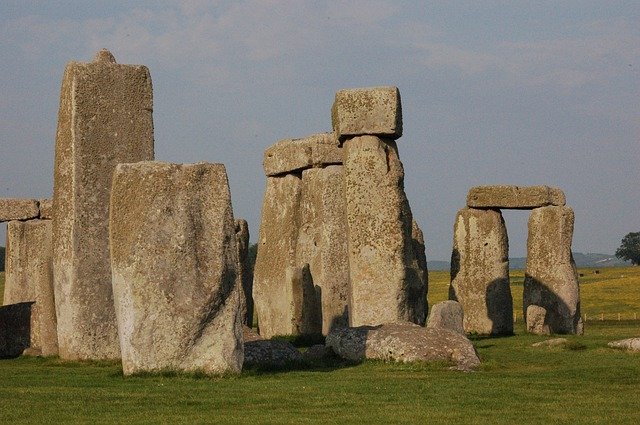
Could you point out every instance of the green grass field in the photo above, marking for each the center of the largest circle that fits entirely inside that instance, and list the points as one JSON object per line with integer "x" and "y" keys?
{"x": 585, "y": 382}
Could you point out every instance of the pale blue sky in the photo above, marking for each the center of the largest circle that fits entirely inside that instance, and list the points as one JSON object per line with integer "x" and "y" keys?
{"x": 493, "y": 92}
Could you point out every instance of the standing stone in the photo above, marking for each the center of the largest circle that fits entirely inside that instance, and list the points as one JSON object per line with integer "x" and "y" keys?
{"x": 105, "y": 118}
{"x": 551, "y": 280}
{"x": 535, "y": 319}
{"x": 245, "y": 272}
{"x": 174, "y": 262}
{"x": 276, "y": 253}
{"x": 480, "y": 271}
{"x": 448, "y": 315}
{"x": 29, "y": 278}
{"x": 385, "y": 280}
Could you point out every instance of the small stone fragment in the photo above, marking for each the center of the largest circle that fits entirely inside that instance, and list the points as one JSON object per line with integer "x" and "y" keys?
{"x": 553, "y": 342}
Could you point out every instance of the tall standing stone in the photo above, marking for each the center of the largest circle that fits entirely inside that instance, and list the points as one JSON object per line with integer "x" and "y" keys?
{"x": 480, "y": 271}
{"x": 105, "y": 118}
{"x": 386, "y": 283}
{"x": 29, "y": 278}
{"x": 245, "y": 272}
{"x": 551, "y": 280}
{"x": 174, "y": 262}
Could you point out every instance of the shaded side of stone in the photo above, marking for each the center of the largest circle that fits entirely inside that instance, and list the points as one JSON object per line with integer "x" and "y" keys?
{"x": 15, "y": 329}
{"x": 385, "y": 281}
{"x": 277, "y": 242}
{"x": 367, "y": 111}
{"x": 174, "y": 262}
{"x": 268, "y": 354}
{"x": 29, "y": 278}
{"x": 245, "y": 271}
{"x": 105, "y": 118}
{"x": 551, "y": 279}
{"x": 514, "y": 197}
{"x": 18, "y": 209}
{"x": 480, "y": 271}
{"x": 294, "y": 155}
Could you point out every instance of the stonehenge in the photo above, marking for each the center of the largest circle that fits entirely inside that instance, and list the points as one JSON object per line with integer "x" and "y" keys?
{"x": 175, "y": 267}
{"x": 480, "y": 265}
{"x": 105, "y": 118}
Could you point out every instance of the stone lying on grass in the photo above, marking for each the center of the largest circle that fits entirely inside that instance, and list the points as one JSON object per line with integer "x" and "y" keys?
{"x": 553, "y": 342}
{"x": 629, "y": 344}
{"x": 14, "y": 329}
{"x": 404, "y": 342}
{"x": 317, "y": 353}
{"x": 447, "y": 315}
{"x": 270, "y": 354}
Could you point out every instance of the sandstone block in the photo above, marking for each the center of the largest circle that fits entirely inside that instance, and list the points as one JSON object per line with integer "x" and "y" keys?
{"x": 18, "y": 209}
{"x": 174, "y": 263}
{"x": 105, "y": 118}
{"x": 535, "y": 318}
{"x": 480, "y": 271}
{"x": 293, "y": 155}
{"x": 367, "y": 111}
{"x": 386, "y": 282}
{"x": 29, "y": 278}
{"x": 15, "y": 323}
{"x": 447, "y": 315}
{"x": 551, "y": 280}
{"x": 46, "y": 208}
{"x": 403, "y": 342}
{"x": 514, "y": 197}
{"x": 245, "y": 271}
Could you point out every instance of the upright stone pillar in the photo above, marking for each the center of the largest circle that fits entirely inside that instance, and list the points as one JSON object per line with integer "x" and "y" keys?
{"x": 386, "y": 281}
{"x": 551, "y": 280}
{"x": 105, "y": 118}
{"x": 480, "y": 271}
{"x": 29, "y": 278}
{"x": 174, "y": 262}
{"x": 245, "y": 272}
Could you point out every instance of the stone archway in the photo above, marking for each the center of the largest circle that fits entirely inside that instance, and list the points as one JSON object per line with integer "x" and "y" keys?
{"x": 480, "y": 262}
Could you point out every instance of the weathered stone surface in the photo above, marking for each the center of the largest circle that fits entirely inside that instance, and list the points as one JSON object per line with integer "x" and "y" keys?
{"x": 480, "y": 271}
{"x": 294, "y": 155}
{"x": 420, "y": 302}
{"x": 18, "y": 209}
{"x": 245, "y": 271}
{"x": 276, "y": 252}
{"x": 514, "y": 197}
{"x": 46, "y": 208}
{"x": 404, "y": 342}
{"x": 535, "y": 319}
{"x": 29, "y": 278}
{"x": 386, "y": 282}
{"x": 15, "y": 329}
{"x": 367, "y": 111}
{"x": 317, "y": 353}
{"x": 302, "y": 275}
{"x": 270, "y": 354}
{"x": 174, "y": 262}
{"x": 629, "y": 344}
{"x": 322, "y": 243}
{"x": 553, "y": 342}
{"x": 248, "y": 334}
{"x": 105, "y": 118}
{"x": 551, "y": 280}
{"x": 447, "y": 315}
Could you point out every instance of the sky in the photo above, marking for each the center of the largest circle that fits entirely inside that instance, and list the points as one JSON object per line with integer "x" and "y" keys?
{"x": 493, "y": 92}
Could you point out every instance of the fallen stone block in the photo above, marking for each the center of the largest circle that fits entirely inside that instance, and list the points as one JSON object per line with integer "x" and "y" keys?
{"x": 174, "y": 263}
{"x": 553, "y": 342}
{"x": 270, "y": 354}
{"x": 18, "y": 209}
{"x": 480, "y": 272}
{"x": 514, "y": 197}
{"x": 295, "y": 155}
{"x": 403, "y": 342}
{"x": 629, "y": 344}
{"x": 29, "y": 278}
{"x": 15, "y": 329}
{"x": 447, "y": 315}
{"x": 367, "y": 111}
{"x": 105, "y": 118}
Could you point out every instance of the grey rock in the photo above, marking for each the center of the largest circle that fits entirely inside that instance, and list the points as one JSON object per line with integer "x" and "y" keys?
{"x": 535, "y": 318}
{"x": 629, "y": 344}
{"x": 553, "y": 342}
{"x": 447, "y": 315}
{"x": 270, "y": 354}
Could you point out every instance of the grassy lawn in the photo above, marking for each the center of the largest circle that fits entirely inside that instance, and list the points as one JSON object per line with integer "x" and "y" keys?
{"x": 585, "y": 382}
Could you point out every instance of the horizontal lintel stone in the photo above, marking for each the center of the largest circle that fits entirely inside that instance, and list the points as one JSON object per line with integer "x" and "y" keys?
{"x": 292, "y": 155}
{"x": 514, "y": 197}
{"x": 375, "y": 111}
{"x": 18, "y": 209}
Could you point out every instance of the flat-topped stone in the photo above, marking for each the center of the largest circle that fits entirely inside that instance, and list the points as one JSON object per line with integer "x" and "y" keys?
{"x": 367, "y": 111}
{"x": 290, "y": 155}
{"x": 18, "y": 209}
{"x": 514, "y": 197}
